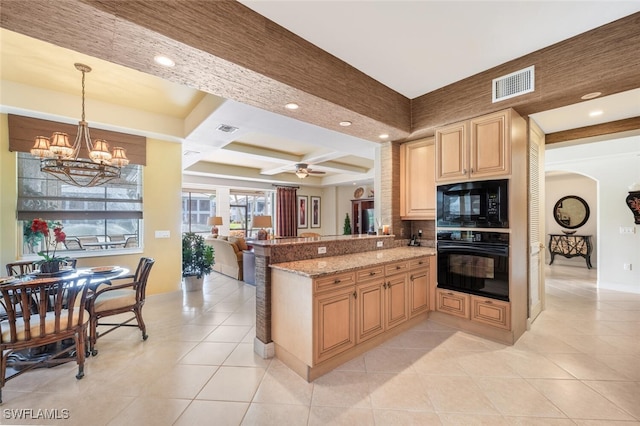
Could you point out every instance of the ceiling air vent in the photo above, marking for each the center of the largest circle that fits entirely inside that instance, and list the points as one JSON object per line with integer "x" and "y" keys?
{"x": 226, "y": 128}
{"x": 514, "y": 84}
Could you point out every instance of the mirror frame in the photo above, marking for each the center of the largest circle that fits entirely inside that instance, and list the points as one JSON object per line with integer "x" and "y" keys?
{"x": 571, "y": 197}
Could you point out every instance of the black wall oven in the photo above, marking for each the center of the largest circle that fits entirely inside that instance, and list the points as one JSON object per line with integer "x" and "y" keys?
{"x": 475, "y": 262}
{"x": 480, "y": 204}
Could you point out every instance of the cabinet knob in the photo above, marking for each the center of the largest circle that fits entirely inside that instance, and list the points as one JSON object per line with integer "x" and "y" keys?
{"x": 355, "y": 295}
{"x": 337, "y": 281}
{"x": 372, "y": 273}
{"x": 398, "y": 267}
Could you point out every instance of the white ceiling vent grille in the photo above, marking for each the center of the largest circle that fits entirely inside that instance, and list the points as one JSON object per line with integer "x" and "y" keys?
{"x": 514, "y": 84}
{"x": 226, "y": 128}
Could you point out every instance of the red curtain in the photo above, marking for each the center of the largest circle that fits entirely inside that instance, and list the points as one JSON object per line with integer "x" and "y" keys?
{"x": 287, "y": 225}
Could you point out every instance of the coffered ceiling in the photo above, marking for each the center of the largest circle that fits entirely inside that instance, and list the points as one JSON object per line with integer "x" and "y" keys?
{"x": 411, "y": 47}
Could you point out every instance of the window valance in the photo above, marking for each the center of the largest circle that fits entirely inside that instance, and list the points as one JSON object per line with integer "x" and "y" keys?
{"x": 23, "y": 130}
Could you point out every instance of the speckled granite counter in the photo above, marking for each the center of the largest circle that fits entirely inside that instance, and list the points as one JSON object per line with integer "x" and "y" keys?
{"x": 350, "y": 262}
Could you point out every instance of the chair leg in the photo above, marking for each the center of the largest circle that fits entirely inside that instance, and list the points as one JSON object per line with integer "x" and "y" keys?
{"x": 93, "y": 335}
{"x": 80, "y": 343}
{"x": 141, "y": 324}
{"x": 3, "y": 372}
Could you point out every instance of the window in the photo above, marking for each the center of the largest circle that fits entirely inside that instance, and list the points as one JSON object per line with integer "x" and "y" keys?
{"x": 105, "y": 214}
{"x": 196, "y": 209}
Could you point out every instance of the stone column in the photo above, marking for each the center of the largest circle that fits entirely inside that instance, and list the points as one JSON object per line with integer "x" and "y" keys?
{"x": 263, "y": 345}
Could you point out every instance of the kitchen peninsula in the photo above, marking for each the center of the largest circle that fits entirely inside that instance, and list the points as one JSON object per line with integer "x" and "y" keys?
{"x": 328, "y": 310}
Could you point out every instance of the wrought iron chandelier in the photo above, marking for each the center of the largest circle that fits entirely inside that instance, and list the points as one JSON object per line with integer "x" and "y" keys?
{"x": 59, "y": 158}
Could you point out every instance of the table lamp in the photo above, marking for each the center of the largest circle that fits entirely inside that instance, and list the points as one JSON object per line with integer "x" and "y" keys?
{"x": 214, "y": 221}
{"x": 262, "y": 222}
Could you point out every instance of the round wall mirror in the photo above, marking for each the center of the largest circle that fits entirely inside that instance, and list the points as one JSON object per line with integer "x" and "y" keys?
{"x": 571, "y": 212}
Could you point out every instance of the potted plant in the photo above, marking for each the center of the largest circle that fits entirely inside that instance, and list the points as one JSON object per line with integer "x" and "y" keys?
{"x": 39, "y": 231}
{"x": 346, "y": 229}
{"x": 197, "y": 260}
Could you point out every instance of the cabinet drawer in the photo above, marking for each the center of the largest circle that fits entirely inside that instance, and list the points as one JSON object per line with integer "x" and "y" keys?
{"x": 421, "y": 262}
{"x": 453, "y": 303}
{"x": 396, "y": 267}
{"x": 331, "y": 282}
{"x": 489, "y": 311}
{"x": 369, "y": 273}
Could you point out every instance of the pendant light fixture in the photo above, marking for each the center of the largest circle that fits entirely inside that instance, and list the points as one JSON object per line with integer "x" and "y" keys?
{"x": 59, "y": 158}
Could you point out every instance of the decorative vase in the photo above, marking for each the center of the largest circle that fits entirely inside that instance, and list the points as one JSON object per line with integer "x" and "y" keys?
{"x": 192, "y": 283}
{"x": 50, "y": 267}
{"x": 633, "y": 202}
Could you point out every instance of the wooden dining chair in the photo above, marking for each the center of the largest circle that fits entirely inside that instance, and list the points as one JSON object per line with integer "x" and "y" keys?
{"x": 41, "y": 312}
{"x": 24, "y": 267}
{"x": 115, "y": 299}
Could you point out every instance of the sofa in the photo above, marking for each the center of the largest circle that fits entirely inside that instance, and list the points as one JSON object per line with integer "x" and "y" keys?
{"x": 227, "y": 254}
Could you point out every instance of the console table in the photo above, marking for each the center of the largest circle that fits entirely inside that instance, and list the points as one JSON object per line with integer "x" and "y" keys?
{"x": 571, "y": 246}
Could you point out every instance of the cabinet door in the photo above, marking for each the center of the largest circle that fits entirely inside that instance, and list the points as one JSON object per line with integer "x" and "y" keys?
{"x": 396, "y": 300}
{"x": 451, "y": 152}
{"x": 370, "y": 309}
{"x": 490, "y": 148}
{"x": 418, "y": 291}
{"x": 493, "y": 312}
{"x": 453, "y": 303}
{"x": 417, "y": 180}
{"x": 334, "y": 323}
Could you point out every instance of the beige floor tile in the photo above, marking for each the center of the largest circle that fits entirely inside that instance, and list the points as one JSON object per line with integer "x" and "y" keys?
{"x": 356, "y": 364}
{"x": 404, "y": 418}
{"x": 626, "y": 365}
{"x": 456, "y": 394}
{"x": 452, "y": 419}
{"x": 209, "y": 353}
{"x": 228, "y": 333}
{"x": 342, "y": 389}
{"x": 232, "y": 384}
{"x": 265, "y": 414}
{"x": 578, "y": 401}
{"x": 516, "y": 397}
{"x": 281, "y": 385}
{"x": 398, "y": 391}
{"x": 321, "y": 416}
{"x": 210, "y": 318}
{"x": 585, "y": 367}
{"x": 534, "y": 365}
{"x": 481, "y": 364}
{"x": 180, "y": 381}
{"x": 244, "y": 356}
{"x": 217, "y": 413}
{"x": 151, "y": 411}
{"x": 388, "y": 360}
{"x": 439, "y": 362}
{"x": 624, "y": 394}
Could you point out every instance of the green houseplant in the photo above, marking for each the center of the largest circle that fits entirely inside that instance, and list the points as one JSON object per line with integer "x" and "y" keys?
{"x": 346, "y": 230}
{"x": 197, "y": 260}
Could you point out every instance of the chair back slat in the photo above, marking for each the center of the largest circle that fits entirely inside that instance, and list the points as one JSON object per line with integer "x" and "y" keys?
{"x": 37, "y": 301}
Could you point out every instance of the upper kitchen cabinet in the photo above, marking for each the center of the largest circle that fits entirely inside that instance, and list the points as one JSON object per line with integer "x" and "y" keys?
{"x": 474, "y": 149}
{"x": 417, "y": 180}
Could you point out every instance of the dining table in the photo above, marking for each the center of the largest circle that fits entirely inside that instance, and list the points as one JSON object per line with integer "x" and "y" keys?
{"x": 93, "y": 277}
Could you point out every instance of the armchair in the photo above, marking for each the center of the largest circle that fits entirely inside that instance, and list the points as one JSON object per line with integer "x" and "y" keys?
{"x": 41, "y": 312}
{"x": 116, "y": 299}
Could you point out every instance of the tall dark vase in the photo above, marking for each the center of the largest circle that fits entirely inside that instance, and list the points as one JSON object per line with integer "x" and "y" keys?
{"x": 50, "y": 267}
{"x": 633, "y": 202}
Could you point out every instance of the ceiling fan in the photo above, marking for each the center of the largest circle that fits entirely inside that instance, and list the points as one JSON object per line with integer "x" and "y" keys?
{"x": 303, "y": 170}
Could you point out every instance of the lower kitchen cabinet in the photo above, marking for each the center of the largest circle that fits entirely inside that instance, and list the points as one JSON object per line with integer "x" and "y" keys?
{"x": 396, "y": 300}
{"x": 335, "y": 315}
{"x": 492, "y": 312}
{"x": 418, "y": 291}
{"x": 453, "y": 302}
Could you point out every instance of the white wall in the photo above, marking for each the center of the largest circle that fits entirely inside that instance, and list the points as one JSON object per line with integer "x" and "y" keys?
{"x": 615, "y": 164}
{"x": 561, "y": 185}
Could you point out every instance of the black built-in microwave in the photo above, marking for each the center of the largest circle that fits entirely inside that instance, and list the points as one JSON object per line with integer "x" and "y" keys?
{"x": 479, "y": 204}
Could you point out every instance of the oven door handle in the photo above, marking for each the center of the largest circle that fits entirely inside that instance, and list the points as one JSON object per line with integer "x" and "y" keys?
{"x": 499, "y": 251}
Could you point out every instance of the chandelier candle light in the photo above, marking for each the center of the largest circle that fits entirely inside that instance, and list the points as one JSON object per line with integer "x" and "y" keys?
{"x": 59, "y": 158}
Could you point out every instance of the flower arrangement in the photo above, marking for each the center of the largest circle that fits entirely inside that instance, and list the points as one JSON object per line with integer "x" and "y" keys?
{"x": 41, "y": 228}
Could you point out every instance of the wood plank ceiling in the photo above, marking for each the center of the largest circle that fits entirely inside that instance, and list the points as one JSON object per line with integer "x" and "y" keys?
{"x": 228, "y": 50}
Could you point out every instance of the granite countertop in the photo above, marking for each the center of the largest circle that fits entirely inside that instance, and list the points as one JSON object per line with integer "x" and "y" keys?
{"x": 323, "y": 238}
{"x": 318, "y": 267}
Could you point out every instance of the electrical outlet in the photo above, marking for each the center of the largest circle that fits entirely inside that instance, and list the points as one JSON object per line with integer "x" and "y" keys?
{"x": 626, "y": 266}
{"x": 379, "y": 243}
{"x": 322, "y": 250}
{"x": 627, "y": 229}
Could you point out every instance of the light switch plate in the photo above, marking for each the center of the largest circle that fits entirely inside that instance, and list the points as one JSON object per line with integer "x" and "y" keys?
{"x": 163, "y": 234}
{"x": 379, "y": 243}
{"x": 322, "y": 250}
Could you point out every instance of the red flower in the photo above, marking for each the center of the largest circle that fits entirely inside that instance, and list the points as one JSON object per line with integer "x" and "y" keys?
{"x": 40, "y": 226}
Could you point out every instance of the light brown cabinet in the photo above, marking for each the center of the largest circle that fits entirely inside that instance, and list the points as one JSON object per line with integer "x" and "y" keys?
{"x": 417, "y": 180}
{"x": 474, "y": 149}
{"x": 396, "y": 300}
{"x": 419, "y": 291}
{"x": 370, "y": 309}
{"x": 453, "y": 303}
{"x": 334, "y": 323}
{"x": 492, "y": 312}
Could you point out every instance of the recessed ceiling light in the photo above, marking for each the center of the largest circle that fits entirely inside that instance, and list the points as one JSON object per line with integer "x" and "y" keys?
{"x": 384, "y": 136}
{"x": 164, "y": 61}
{"x": 595, "y": 113}
{"x": 345, "y": 123}
{"x": 591, "y": 95}
{"x": 292, "y": 105}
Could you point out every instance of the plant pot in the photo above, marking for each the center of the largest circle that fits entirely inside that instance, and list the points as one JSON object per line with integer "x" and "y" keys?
{"x": 192, "y": 283}
{"x": 50, "y": 267}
